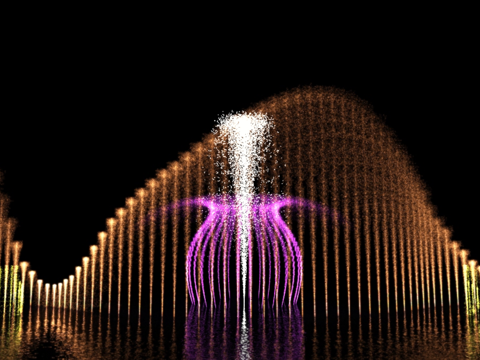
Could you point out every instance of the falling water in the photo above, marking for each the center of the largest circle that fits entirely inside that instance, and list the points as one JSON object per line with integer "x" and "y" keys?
{"x": 31, "y": 275}
{"x": 131, "y": 216}
{"x": 153, "y": 190}
{"x": 111, "y": 250}
{"x": 85, "y": 261}
{"x": 334, "y": 165}
{"x": 312, "y": 220}
{"x": 438, "y": 244}
{"x": 23, "y": 267}
{"x": 175, "y": 169}
{"x": 198, "y": 150}
{"x": 384, "y": 175}
{"x": 336, "y": 229}
{"x": 186, "y": 185}
{"x": 78, "y": 272}
{"x": 426, "y": 255}
{"x": 367, "y": 233}
{"x": 71, "y": 280}
{"x": 121, "y": 234}
{"x": 301, "y": 220}
{"x": 60, "y": 293}
{"x": 65, "y": 290}
{"x": 431, "y": 249}
{"x": 245, "y": 135}
{"x": 141, "y": 236}
{"x": 93, "y": 255}
{"x": 163, "y": 231}
{"x": 39, "y": 289}
{"x": 393, "y": 238}
{"x": 409, "y": 240}
{"x": 357, "y": 231}
{"x": 415, "y": 249}
{"x": 47, "y": 293}
{"x": 446, "y": 248}
{"x": 376, "y": 235}
{"x": 102, "y": 237}
{"x": 8, "y": 240}
{"x": 401, "y": 244}
{"x": 54, "y": 293}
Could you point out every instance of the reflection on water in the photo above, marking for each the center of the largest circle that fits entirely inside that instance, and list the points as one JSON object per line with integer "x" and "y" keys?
{"x": 47, "y": 333}
{"x": 217, "y": 337}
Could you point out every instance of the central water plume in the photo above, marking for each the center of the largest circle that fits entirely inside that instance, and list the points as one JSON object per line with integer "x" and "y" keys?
{"x": 246, "y": 135}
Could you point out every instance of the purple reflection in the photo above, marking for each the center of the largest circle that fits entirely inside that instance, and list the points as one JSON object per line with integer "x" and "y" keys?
{"x": 213, "y": 336}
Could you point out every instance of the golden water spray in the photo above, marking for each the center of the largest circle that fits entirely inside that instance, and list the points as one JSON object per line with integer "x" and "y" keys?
{"x": 31, "y": 275}
{"x": 39, "y": 288}
{"x": 54, "y": 294}
{"x": 47, "y": 292}
{"x": 111, "y": 249}
{"x": 141, "y": 236}
{"x": 78, "y": 272}
{"x": 131, "y": 216}
{"x": 71, "y": 280}
{"x": 85, "y": 261}
{"x": 121, "y": 232}
{"x": 23, "y": 266}
{"x": 65, "y": 290}
{"x": 60, "y": 288}
{"x": 102, "y": 238}
{"x": 93, "y": 255}
{"x": 163, "y": 236}
{"x": 153, "y": 194}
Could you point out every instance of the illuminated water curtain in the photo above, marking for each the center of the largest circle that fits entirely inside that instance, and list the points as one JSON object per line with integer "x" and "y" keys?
{"x": 274, "y": 239}
{"x": 259, "y": 180}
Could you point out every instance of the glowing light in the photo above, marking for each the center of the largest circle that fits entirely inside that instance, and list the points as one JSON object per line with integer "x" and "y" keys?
{"x": 153, "y": 187}
{"x": 163, "y": 231}
{"x": 111, "y": 249}
{"x": 31, "y": 275}
{"x": 101, "y": 241}
{"x": 174, "y": 168}
{"x": 23, "y": 266}
{"x": 39, "y": 288}
{"x": 131, "y": 216}
{"x": 222, "y": 211}
{"x": 246, "y": 135}
{"x": 60, "y": 295}
{"x": 71, "y": 280}
{"x": 54, "y": 293}
{"x": 78, "y": 272}
{"x": 65, "y": 290}
{"x": 85, "y": 261}
{"x": 332, "y": 158}
{"x": 93, "y": 255}
{"x": 121, "y": 230}
{"x": 141, "y": 237}
{"x": 47, "y": 292}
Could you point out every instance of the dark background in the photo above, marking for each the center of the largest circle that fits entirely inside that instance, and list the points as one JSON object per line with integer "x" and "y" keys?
{"x": 93, "y": 106}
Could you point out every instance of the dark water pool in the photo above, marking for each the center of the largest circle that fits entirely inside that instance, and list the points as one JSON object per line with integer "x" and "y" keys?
{"x": 61, "y": 334}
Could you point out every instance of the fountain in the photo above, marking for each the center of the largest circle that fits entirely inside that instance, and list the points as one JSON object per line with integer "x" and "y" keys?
{"x": 307, "y": 197}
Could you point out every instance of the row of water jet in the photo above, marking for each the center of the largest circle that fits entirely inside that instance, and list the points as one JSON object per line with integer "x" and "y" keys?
{"x": 391, "y": 256}
{"x": 337, "y": 152}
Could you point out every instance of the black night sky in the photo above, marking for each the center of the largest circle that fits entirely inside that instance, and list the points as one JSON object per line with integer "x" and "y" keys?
{"x": 88, "y": 116}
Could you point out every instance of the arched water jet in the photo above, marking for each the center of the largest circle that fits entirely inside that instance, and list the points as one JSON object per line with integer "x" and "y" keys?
{"x": 245, "y": 135}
